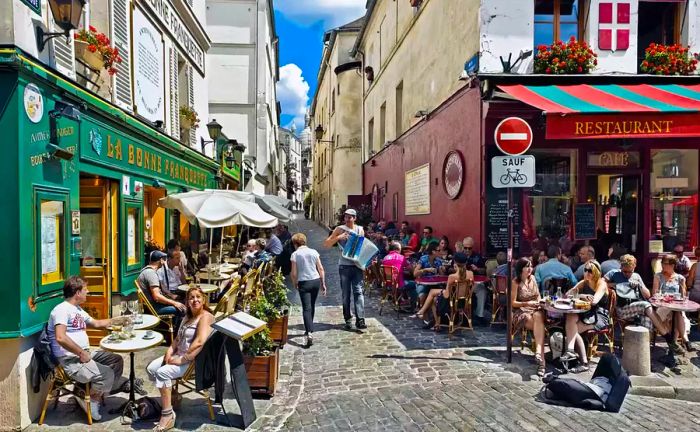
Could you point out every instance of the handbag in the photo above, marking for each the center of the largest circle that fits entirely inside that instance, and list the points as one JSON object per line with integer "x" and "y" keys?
{"x": 148, "y": 408}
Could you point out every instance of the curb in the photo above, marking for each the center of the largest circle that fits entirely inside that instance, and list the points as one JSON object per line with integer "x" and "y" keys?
{"x": 675, "y": 388}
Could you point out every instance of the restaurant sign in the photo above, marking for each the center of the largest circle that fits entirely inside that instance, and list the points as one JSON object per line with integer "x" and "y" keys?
{"x": 105, "y": 146}
{"x": 627, "y": 125}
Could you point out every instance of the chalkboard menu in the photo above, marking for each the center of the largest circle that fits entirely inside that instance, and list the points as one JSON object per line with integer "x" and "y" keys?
{"x": 497, "y": 221}
{"x": 584, "y": 221}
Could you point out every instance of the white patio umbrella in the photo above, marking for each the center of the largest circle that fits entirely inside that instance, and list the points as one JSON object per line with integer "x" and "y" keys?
{"x": 268, "y": 203}
{"x": 217, "y": 209}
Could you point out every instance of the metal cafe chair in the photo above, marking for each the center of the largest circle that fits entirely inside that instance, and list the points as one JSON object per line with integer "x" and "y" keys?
{"x": 461, "y": 307}
{"x": 165, "y": 318}
{"x": 61, "y": 384}
{"x": 188, "y": 381}
{"x": 609, "y": 332}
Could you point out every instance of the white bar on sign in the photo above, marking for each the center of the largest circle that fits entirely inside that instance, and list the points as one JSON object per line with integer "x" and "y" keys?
{"x": 513, "y": 136}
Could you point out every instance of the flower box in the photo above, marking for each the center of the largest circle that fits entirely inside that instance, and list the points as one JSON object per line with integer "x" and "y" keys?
{"x": 185, "y": 123}
{"x": 278, "y": 329}
{"x": 668, "y": 60}
{"x": 572, "y": 57}
{"x": 262, "y": 372}
{"x": 92, "y": 59}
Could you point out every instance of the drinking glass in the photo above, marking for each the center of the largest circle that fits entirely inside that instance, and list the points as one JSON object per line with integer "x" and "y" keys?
{"x": 123, "y": 307}
{"x": 129, "y": 328}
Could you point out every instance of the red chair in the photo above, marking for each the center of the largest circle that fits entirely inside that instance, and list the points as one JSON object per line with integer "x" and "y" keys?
{"x": 392, "y": 292}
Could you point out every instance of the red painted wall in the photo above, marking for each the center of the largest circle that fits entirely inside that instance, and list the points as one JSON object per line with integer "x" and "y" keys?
{"x": 456, "y": 124}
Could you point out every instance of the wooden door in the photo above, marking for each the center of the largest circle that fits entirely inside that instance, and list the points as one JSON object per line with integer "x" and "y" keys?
{"x": 95, "y": 265}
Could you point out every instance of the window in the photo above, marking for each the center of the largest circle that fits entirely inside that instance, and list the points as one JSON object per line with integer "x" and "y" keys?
{"x": 659, "y": 22}
{"x": 399, "y": 109}
{"x": 556, "y": 20}
{"x": 370, "y": 135}
{"x": 51, "y": 239}
{"x": 382, "y": 125}
{"x": 133, "y": 236}
{"x": 674, "y": 198}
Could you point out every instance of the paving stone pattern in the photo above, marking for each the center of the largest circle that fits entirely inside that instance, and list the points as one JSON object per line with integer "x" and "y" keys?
{"x": 394, "y": 376}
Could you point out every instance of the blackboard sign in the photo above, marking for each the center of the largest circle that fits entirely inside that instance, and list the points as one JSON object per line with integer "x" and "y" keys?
{"x": 497, "y": 221}
{"x": 584, "y": 221}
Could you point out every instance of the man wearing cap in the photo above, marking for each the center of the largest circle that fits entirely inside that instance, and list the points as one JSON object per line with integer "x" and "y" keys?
{"x": 351, "y": 276}
{"x": 163, "y": 301}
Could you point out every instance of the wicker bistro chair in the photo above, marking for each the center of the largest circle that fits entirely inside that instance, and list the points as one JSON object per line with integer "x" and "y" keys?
{"x": 372, "y": 277}
{"x": 608, "y": 333}
{"x": 227, "y": 301}
{"x": 392, "y": 292}
{"x": 459, "y": 314}
{"x": 148, "y": 306}
{"x": 500, "y": 289}
{"x": 188, "y": 381}
{"x": 59, "y": 385}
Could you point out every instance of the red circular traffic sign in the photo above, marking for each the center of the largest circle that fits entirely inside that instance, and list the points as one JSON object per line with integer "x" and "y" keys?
{"x": 513, "y": 136}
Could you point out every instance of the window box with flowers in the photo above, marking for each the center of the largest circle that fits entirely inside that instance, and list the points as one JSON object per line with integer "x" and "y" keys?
{"x": 572, "y": 57}
{"x": 188, "y": 118}
{"x": 96, "y": 51}
{"x": 668, "y": 60}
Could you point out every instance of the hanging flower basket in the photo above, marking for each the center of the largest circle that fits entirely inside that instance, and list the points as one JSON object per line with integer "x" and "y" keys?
{"x": 668, "y": 60}
{"x": 92, "y": 59}
{"x": 188, "y": 118}
{"x": 573, "y": 57}
{"x": 96, "y": 50}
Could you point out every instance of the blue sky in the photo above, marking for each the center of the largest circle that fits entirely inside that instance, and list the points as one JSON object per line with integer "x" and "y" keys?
{"x": 300, "y": 27}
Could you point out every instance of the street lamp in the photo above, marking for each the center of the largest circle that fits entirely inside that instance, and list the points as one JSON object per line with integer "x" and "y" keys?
{"x": 319, "y": 134}
{"x": 230, "y": 150}
{"x": 66, "y": 14}
{"x": 214, "y": 129}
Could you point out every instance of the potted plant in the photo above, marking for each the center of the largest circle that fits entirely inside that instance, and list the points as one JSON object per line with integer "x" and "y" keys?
{"x": 188, "y": 118}
{"x": 668, "y": 60}
{"x": 276, "y": 294}
{"x": 573, "y": 57}
{"x": 95, "y": 50}
{"x": 260, "y": 354}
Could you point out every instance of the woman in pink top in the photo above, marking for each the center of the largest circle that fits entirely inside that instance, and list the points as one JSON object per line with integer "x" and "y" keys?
{"x": 396, "y": 260}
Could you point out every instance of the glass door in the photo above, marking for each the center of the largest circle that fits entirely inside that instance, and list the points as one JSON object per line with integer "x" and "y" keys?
{"x": 618, "y": 210}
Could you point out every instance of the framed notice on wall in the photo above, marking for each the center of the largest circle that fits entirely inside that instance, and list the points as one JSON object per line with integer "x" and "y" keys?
{"x": 417, "y": 191}
{"x": 149, "y": 69}
{"x": 585, "y": 221}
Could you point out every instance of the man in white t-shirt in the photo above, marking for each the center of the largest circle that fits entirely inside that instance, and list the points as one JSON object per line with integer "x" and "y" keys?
{"x": 71, "y": 347}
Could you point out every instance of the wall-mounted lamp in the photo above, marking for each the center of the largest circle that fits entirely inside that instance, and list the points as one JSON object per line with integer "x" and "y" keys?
{"x": 184, "y": 189}
{"x": 158, "y": 124}
{"x": 421, "y": 113}
{"x": 214, "y": 130}
{"x": 230, "y": 149}
{"x": 319, "y": 132}
{"x": 66, "y": 15}
{"x": 158, "y": 184}
{"x": 373, "y": 163}
{"x": 508, "y": 66}
{"x": 56, "y": 152}
{"x": 64, "y": 109}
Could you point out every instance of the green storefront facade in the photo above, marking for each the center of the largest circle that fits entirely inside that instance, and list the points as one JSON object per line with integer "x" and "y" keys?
{"x": 76, "y": 170}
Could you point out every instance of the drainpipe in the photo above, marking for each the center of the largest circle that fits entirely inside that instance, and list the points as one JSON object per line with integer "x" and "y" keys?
{"x": 362, "y": 129}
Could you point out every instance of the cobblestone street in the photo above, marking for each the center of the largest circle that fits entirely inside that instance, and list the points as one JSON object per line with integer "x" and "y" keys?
{"x": 395, "y": 377}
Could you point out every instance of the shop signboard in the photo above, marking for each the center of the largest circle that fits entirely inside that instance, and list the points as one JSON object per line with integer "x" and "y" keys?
{"x": 149, "y": 69}
{"x": 417, "y": 191}
{"x": 624, "y": 125}
{"x": 108, "y": 147}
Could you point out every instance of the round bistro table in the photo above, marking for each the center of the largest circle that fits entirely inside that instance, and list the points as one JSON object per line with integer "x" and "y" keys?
{"x": 677, "y": 306}
{"x": 148, "y": 322}
{"x": 431, "y": 280}
{"x": 131, "y": 346}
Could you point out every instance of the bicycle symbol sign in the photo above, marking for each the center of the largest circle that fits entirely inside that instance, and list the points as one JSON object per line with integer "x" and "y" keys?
{"x": 513, "y": 171}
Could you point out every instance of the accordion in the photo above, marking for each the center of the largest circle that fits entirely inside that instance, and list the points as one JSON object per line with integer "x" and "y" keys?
{"x": 359, "y": 250}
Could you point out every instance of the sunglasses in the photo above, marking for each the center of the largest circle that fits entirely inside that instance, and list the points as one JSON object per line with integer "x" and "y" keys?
{"x": 588, "y": 270}
{"x": 468, "y": 248}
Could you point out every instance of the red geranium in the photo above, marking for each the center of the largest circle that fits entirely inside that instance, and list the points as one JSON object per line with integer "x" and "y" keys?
{"x": 100, "y": 43}
{"x": 573, "y": 57}
{"x": 668, "y": 60}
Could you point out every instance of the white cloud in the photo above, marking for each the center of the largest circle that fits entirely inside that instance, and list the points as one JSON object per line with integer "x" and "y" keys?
{"x": 293, "y": 93}
{"x": 333, "y": 13}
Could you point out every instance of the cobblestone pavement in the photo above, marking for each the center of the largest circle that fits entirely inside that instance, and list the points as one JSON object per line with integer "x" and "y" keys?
{"x": 395, "y": 376}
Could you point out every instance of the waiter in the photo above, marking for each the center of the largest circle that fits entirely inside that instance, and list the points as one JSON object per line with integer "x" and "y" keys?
{"x": 351, "y": 276}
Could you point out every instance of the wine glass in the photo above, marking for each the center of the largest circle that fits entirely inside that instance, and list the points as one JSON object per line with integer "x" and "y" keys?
{"x": 123, "y": 307}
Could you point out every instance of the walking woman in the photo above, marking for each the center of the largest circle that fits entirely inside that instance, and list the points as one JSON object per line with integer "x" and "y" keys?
{"x": 309, "y": 277}
{"x": 191, "y": 336}
{"x": 526, "y": 311}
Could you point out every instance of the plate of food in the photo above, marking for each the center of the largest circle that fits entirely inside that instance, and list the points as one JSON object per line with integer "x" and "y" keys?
{"x": 582, "y": 305}
{"x": 563, "y": 305}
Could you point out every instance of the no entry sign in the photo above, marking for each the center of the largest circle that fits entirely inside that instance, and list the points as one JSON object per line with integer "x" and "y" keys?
{"x": 513, "y": 136}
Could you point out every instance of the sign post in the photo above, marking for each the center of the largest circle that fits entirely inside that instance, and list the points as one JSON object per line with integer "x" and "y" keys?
{"x": 513, "y": 136}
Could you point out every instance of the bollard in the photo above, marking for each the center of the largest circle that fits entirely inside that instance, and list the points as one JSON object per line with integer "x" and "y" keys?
{"x": 636, "y": 353}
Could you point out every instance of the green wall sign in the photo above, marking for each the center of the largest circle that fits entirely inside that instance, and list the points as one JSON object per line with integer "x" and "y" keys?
{"x": 105, "y": 146}
{"x": 34, "y": 5}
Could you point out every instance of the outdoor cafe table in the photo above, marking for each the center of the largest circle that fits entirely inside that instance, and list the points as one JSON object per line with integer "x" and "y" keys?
{"x": 228, "y": 268}
{"x": 212, "y": 277}
{"x": 675, "y": 306}
{"x": 551, "y": 309}
{"x": 205, "y": 287}
{"x": 131, "y": 346}
{"x": 148, "y": 321}
{"x": 431, "y": 280}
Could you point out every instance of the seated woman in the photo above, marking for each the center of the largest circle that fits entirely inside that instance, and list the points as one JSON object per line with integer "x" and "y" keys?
{"x": 461, "y": 275}
{"x": 670, "y": 282}
{"x": 191, "y": 336}
{"x": 593, "y": 289}
{"x": 429, "y": 264}
{"x": 411, "y": 240}
{"x": 526, "y": 311}
{"x": 444, "y": 251}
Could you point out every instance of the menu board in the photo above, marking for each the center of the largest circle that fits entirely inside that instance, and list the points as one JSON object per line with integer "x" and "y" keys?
{"x": 497, "y": 221}
{"x": 584, "y": 221}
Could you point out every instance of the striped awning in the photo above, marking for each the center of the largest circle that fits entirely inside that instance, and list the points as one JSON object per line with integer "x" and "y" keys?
{"x": 609, "y": 98}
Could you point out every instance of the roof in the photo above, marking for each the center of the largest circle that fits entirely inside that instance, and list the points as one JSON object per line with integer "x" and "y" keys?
{"x": 370, "y": 8}
{"x": 608, "y": 98}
